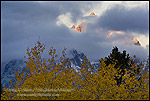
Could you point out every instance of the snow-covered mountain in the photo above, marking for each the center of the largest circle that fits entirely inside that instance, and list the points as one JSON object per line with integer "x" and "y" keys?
{"x": 74, "y": 56}
{"x": 16, "y": 64}
{"x": 9, "y": 71}
{"x": 77, "y": 57}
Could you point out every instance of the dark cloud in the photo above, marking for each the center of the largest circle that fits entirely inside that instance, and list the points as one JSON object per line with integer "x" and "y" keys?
{"x": 120, "y": 17}
{"x": 23, "y": 22}
{"x": 25, "y": 18}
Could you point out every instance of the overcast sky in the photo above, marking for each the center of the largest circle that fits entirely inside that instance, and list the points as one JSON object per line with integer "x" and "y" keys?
{"x": 22, "y": 22}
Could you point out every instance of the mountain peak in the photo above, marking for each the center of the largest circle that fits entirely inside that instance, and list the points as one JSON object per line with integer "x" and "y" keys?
{"x": 92, "y": 13}
{"x": 9, "y": 71}
{"x": 73, "y": 27}
{"x": 80, "y": 28}
{"x": 76, "y": 57}
{"x": 136, "y": 42}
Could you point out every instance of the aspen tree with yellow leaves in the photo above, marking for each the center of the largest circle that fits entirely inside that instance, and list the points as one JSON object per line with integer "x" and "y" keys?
{"x": 48, "y": 80}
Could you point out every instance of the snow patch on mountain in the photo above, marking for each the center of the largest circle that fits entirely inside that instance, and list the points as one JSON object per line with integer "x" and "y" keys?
{"x": 9, "y": 71}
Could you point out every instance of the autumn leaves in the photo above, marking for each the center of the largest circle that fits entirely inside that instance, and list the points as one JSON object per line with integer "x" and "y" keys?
{"x": 85, "y": 84}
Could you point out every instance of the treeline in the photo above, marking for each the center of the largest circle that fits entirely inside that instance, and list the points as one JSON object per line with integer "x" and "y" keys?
{"x": 118, "y": 78}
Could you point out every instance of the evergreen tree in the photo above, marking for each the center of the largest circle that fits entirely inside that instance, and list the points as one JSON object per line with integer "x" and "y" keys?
{"x": 121, "y": 60}
{"x": 48, "y": 80}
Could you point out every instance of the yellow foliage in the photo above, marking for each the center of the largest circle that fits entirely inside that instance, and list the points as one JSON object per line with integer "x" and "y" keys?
{"x": 55, "y": 82}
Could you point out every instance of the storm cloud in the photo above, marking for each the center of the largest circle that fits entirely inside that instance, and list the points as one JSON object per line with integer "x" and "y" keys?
{"x": 119, "y": 17}
{"x": 23, "y": 22}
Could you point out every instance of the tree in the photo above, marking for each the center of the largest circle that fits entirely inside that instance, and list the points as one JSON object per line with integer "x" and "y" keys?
{"x": 49, "y": 80}
{"x": 121, "y": 60}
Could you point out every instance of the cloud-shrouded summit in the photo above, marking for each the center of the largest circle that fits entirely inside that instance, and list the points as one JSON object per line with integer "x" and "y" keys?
{"x": 90, "y": 27}
{"x": 92, "y": 13}
{"x": 82, "y": 28}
